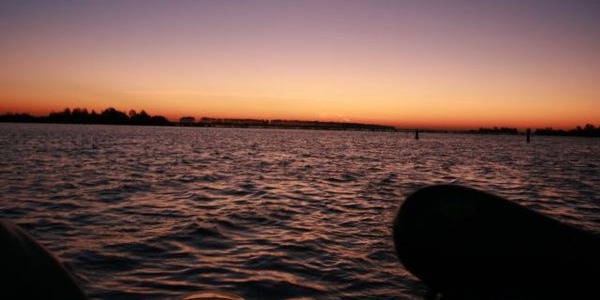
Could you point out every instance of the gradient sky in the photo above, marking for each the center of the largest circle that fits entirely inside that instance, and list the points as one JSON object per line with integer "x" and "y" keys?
{"x": 452, "y": 64}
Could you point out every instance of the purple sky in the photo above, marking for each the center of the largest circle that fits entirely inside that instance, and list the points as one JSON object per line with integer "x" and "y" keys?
{"x": 431, "y": 63}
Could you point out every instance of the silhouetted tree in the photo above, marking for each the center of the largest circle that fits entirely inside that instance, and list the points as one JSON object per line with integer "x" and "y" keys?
{"x": 141, "y": 119}
{"x": 94, "y": 118}
{"x": 132, "y": 113}
{"x": 79, "y": 115}
{"x": 113, "y": 116}
{"x": 8, "y": 117}
{"x": 60, "y": 117}
{"x": 82, "y": 116}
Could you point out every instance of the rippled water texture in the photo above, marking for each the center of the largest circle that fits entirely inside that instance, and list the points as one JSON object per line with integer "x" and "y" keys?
{"x": 153, "y": 213}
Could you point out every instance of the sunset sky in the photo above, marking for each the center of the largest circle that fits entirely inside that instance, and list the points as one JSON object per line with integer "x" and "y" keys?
{"x": 436, "y": 64}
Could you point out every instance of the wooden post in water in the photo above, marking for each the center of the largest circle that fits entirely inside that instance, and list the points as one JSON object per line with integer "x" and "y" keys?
{"x": 416, "y": 134}
{"x": 528, "y": 135}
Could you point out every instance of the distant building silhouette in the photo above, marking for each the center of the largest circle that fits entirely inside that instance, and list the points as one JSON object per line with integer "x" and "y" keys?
{"x": 496, "y": 130}
{"x": 233, "y": 122}
{"x": 588, "y": 130}
{"x": 187, "y": 121}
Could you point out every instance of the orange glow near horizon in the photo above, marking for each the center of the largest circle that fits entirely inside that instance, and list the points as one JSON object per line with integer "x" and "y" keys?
{"x": 407, "y": 65}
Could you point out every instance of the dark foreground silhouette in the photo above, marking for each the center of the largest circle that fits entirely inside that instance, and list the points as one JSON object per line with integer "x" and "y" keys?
{"x": 30, "y": 272}
{"x": 468, "y": 244}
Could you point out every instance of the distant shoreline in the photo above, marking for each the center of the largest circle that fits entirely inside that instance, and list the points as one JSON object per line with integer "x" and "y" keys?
{"x": 111, "y": 116}
{"x": 284, "y": 124}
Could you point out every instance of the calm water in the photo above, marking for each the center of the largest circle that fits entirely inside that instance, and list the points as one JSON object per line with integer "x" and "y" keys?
{"x": 153, "y": 213}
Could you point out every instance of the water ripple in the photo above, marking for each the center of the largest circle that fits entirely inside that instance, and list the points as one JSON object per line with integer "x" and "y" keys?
{"x": 157, "y": 213}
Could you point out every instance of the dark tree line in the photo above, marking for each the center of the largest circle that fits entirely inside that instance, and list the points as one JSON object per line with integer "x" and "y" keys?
{"x": 82, "y": 116}
{"x": 290, "y": 124}
{"x": 588, "y": 130}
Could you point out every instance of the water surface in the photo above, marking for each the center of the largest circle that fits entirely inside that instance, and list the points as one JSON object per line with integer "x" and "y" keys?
{"x": 157, "y": 212}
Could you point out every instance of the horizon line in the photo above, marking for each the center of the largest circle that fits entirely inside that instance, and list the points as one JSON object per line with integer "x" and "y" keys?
{"x": 456, "y": 128}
